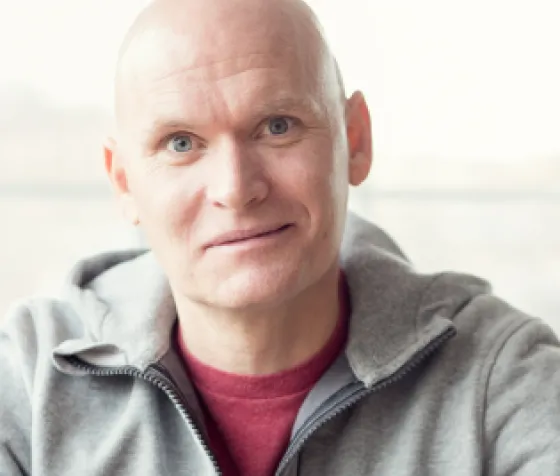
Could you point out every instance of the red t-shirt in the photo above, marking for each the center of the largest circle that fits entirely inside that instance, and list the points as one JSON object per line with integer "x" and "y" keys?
{"x": 250, "y": 418}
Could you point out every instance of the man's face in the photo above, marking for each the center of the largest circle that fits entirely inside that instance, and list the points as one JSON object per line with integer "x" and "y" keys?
{"x": 232, "y": 156}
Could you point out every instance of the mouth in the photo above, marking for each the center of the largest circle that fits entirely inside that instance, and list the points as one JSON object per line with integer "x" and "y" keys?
{"x": 246, "y": 236}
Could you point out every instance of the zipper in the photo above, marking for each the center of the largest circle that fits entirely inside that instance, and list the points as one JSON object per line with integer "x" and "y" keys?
{"x": 163, "y": 383}
{"x": 352, "y": 394}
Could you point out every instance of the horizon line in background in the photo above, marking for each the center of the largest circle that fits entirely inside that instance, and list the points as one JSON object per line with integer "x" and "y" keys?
{"x": 96, "y": 190}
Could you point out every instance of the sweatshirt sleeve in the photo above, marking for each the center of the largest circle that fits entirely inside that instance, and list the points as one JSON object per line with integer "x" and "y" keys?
{"x": 522, "y": 421}
{"x": 15, "y": 407}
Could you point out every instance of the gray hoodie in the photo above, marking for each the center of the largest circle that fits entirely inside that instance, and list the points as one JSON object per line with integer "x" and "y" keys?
{"x": 439, "y": 378}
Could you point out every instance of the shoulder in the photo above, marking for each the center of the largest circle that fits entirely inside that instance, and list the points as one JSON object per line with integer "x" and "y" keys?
{"x": 496, "y": 344}
{"x": 487, "y": 321}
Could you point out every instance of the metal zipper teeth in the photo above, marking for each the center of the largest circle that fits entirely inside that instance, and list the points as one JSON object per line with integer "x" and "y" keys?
{"x": 165, "y": 387}
{"x": 339, "y": 407}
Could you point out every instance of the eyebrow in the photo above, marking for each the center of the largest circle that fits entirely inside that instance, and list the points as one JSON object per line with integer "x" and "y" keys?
{"x": 160, "y": 126}
{"x": 289, "y": 104}
{"x": 280, "y": 105}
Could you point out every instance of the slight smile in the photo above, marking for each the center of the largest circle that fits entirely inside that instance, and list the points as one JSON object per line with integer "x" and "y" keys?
{"x": 249, "y": 238}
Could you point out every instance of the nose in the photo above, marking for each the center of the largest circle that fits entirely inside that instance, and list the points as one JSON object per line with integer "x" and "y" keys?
{"x": 238, "y": 180}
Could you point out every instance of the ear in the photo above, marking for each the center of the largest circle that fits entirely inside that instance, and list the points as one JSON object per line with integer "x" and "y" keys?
{"x": 358, "y": 130}
{"x": 114, "y": 166}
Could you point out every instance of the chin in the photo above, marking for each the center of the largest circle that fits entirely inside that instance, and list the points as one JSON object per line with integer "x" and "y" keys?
{"x": 253, "y": 288}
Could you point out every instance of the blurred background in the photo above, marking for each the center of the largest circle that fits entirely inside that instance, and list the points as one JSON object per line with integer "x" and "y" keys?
{"x": 465, "y": 100}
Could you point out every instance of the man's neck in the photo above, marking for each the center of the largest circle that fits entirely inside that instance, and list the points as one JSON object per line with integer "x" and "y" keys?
{"x": 263, "y": 342}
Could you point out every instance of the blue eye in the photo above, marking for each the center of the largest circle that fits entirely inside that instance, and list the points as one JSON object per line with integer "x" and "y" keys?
{"x": 180, "y": 144}
{"x": 279, "y": 126}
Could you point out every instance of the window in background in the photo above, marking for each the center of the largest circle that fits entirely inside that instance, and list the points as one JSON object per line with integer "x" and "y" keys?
{"x": 466, "y": 114}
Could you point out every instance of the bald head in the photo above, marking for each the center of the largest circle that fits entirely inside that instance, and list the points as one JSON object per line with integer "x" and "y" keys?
{"x": 193, "y": 15}
{"x": 205, "y": 38}
{"x": 230, "y": 117}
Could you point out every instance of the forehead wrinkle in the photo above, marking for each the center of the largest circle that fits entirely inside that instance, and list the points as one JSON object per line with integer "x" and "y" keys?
{"x": 208, "y": 69}
{"x": 214, "y": 75}
{"x": 277, "y": 91}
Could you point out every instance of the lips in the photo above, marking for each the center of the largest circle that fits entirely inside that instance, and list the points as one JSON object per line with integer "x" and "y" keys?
{"x": 237, "y": 236}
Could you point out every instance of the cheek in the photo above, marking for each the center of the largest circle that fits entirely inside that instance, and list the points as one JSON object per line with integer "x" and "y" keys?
{"x": 325, "y": 189}
{"x": 307, "y": 170}
{"x": 325, "y": 177}
{"x": 166, "y": 199}
{"x": 314, "y": 177}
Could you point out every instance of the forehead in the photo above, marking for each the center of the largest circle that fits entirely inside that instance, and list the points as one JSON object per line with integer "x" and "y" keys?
{"x": 167, "y": 70}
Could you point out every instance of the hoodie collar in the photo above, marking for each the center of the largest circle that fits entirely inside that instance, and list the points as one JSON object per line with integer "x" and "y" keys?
{"x": 128, "y": 311}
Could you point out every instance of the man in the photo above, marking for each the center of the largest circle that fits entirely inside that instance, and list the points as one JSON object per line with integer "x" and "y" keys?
{"x": 250, "y": 341}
